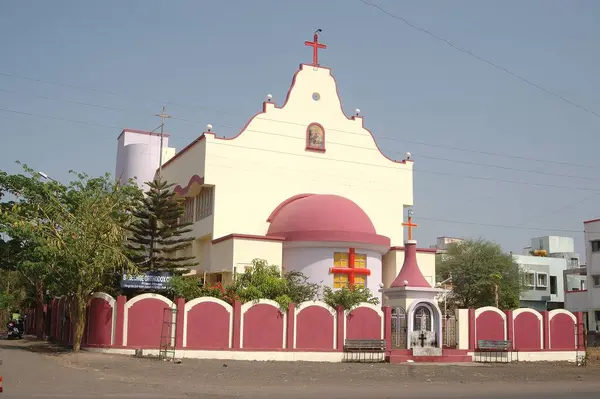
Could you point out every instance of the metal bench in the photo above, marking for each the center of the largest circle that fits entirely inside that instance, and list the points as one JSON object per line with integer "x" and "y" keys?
{"x": 358, "y": 349}
{"x": 495, "y": 351}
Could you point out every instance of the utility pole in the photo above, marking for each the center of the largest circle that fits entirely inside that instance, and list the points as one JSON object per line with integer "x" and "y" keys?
{"x": 162, "y": 117}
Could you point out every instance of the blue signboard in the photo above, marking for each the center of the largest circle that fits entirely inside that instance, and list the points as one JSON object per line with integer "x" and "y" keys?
{"x": 147, "y": 281}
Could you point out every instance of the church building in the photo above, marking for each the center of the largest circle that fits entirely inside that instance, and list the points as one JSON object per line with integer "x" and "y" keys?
{"x": 302, "y": 185}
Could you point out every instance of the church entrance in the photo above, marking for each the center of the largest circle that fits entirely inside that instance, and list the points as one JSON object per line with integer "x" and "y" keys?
{"x": 399, "y": 330}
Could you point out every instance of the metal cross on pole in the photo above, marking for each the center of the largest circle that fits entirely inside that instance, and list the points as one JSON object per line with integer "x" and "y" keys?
{"x": 162, "y": 117}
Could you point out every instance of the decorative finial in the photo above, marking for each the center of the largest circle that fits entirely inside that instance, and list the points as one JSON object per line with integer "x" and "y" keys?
{"x": 405, "y": 283}
{"x": 209, "y": 127}
{"x": 357, "y": 110}
{"x": 316, "y": 46}
{"x": 269, "y": 97}
{"x": 408, "y": 155}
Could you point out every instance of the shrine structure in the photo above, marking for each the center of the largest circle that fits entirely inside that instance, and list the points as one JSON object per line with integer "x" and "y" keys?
{"x": 303, "y": 186}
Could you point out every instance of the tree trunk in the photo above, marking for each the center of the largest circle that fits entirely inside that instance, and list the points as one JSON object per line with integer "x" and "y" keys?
{"x": 496, "y": 294}
{"x": 39, "y": 313}
{"x": 78, "y": 310}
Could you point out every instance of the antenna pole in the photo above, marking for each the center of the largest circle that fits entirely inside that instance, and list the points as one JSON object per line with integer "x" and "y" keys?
{"x": 162, "y": 117}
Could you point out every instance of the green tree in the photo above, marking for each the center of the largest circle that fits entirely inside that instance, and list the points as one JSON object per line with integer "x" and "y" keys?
{"x": 482, "y": 275}
{"x": 79, "y": 229}
{"x": 157, "y": 233}
{"x": 348, "y": 298}
{"x": 264, "y": 281}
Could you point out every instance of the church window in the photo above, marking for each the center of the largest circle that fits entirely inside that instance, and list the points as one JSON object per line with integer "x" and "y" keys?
{"x": 188, "y": 210}
{"x": 315, "y": 137}
{"x": 345, "y": 273}
{"x": 204, "y": 203}
{"x": 422, "y": 319}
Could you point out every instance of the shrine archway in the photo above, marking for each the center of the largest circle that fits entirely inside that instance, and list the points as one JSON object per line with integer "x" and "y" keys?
{"x": 424, "y": 321}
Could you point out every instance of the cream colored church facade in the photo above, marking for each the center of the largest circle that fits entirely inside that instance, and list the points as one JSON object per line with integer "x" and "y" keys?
{"x": 303, "y": 186}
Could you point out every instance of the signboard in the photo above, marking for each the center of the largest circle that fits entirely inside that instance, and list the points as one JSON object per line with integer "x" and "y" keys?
{"x": 147, "y": 281}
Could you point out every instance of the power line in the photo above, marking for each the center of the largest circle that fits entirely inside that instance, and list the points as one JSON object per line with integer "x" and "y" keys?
{"x": 359, "y": 187}
{"x": 484, "y": 60}
{"x": 337, "y": 130}
{"x": 325, "y": 159}
{"x": 455, "y": 148}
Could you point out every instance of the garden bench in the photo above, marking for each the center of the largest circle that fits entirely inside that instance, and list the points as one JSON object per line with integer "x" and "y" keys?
{"x": 358, "y": 349}
{"x": 497, "y": 351}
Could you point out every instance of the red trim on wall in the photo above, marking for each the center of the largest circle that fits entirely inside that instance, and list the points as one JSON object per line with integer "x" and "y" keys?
{"x": 264, "y": 110}
{"x": 591, "y": 221}
{"x": 247, "y": 237}
{"x": 422, "y": 250}
{"x": 308, "y": 146}
{"x": 184, "y": 190}
{"x": 510, "y": 327}
{"x": 572, "y": 291}
{"x": 120, "y": 319}
{"x": 237, "y": 324}
{"x": 284, "y": 203}
{"x": 290, "y": 326}
{"x": 546, "y": 327}
{"x": 472, "y": 329}
{"x": 140, "y": 132}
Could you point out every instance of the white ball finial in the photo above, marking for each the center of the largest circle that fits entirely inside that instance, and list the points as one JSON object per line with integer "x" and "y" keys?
{"x": 405, "y": 283}
{"x": 357, "y": 110}
{"x": 209, "y": 127}
{"x": 269, "y": 97}
{"x": 408, "y": 155}
{"x": 380, "y": 285}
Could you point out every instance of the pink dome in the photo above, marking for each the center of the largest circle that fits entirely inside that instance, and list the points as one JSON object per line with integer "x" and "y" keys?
{"x": 321, "y": 217}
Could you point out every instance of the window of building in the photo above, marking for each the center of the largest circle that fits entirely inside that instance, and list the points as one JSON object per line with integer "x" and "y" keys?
{"x": 188, "y": 210}
{"x": 204, "y": 203}
{"x": 553, "y": 285}
{"x": 542, "y": 280}
{"x": 529, "y": 279}
{"x": 595, "y": 246}
{"x": 341, "y": 260}
{"x": 360, "y": 262}
{"x": 596, "y": 281}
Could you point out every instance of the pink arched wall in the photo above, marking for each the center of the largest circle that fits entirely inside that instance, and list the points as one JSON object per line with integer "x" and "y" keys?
{"x": 262, "y": 325}
{"x": 315, "y": 326}
{"x": 527, "y": 330}
{"x": 99, "y": 326}
{"x": 364, "y": 322}
{"x": 208, "y": 324}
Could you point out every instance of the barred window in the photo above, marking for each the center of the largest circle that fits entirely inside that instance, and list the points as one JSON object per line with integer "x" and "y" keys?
{"x": 204, "y": 203}
{"x": 188, "y": 214}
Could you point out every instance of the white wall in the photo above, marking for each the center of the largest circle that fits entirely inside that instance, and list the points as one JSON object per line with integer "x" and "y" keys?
{"x": 315, "y": 263}
{"x": 553, "y": 243}
{"x": 592, "y": 232}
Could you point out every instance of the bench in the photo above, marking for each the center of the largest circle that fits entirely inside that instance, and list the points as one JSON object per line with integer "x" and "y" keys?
{"x": 495, "y": 351}
{"x": 358, "y": 349}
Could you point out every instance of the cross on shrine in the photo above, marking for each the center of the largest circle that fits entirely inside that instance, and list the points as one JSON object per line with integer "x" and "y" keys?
{"x": 351, "y": 270}
{"x": 410, "y": 225}
{"x": 316, "y": 46}
{"x": 422, "y": 338}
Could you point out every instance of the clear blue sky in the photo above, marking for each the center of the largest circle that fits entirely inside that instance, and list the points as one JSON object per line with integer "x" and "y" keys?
{"x": 218, "y": 59}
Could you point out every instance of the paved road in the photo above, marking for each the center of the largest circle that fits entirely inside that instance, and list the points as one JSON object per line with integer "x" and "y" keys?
{"x": 35, "y": 375}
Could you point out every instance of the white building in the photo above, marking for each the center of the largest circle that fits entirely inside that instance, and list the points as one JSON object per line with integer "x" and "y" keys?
{"x": 544, "y": 264}
{"x": 138, "y": 155}
{"x": 583, "y": 284}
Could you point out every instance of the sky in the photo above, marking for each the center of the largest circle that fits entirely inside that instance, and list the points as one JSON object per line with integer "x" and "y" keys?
{"x": 495, "y": 157}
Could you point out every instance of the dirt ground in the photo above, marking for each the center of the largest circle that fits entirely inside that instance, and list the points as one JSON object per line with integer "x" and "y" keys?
{"x": 244, "y": 377}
